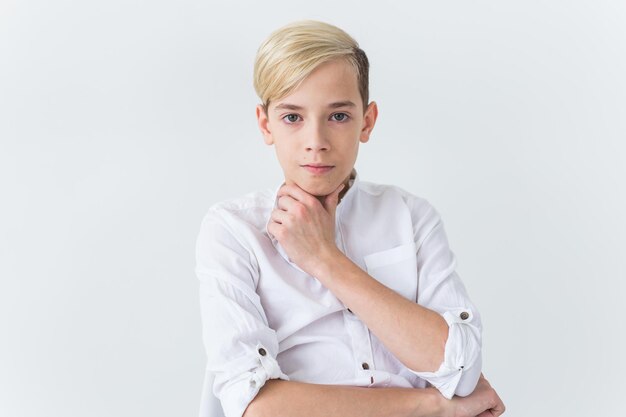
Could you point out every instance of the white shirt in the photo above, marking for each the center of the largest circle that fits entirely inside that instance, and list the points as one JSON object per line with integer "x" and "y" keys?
{"x": 265, "y": 318}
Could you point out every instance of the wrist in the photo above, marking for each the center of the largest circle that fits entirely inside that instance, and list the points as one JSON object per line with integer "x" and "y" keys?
{"x": 325, "y": 262}
{"x": 430, "y": 403}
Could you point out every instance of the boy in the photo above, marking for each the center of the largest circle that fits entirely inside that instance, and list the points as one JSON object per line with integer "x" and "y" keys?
{"x": 316, "y": 293}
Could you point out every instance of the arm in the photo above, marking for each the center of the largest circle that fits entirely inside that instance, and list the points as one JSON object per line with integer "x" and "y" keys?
{"x": 313, "y": 400}
{"x": 386, "y": 313}
{"x": 442, "y": 326}
{"x": 241, "y": 347}
{"x": 246, "y": 378}
{"x": 317, "y": 400}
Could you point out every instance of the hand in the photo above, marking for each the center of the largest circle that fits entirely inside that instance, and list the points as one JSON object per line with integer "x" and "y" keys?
{"x": 483, "y": 402}
{"x": 305, "y": 226}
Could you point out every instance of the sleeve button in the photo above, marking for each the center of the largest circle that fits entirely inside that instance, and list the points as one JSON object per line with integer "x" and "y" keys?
{"x": 262, "y": 352}
{"x": 365, "y": 365}
{"x": 464, "y": 315}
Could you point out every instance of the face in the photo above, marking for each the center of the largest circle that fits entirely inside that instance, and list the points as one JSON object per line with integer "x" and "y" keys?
{"x": 316, "y": 130}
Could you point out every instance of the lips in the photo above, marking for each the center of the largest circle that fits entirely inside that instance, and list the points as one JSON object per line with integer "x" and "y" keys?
{"x": 318, "y": 168}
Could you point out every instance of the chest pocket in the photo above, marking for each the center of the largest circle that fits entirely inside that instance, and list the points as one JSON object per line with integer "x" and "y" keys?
{"x": 395, "y": 268}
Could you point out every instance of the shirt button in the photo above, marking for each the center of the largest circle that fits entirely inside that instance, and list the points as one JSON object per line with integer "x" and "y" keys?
{"x": 464, "y": 315}
{"x": 365, "y": 365}
{"x": 262, "y": 352}
{"x": 350, "y": 311}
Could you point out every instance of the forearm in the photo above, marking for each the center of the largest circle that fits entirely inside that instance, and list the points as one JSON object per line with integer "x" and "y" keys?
{"x": 279, "y": 398}
{"x": 387, "y": 314}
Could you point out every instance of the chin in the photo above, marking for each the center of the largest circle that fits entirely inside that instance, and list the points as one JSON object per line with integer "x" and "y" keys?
{"x": 318, "y": 190}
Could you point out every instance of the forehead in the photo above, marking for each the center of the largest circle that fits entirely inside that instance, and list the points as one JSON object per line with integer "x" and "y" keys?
{"x": 331, "y": 82}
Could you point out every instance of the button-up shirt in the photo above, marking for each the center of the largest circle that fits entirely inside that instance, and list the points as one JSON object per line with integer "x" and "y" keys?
{"x": 264, "y": 318}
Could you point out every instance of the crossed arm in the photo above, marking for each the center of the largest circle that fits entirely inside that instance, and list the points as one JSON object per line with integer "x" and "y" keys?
{"x": 304, "y": 226}
{"x": 278, "y": 398}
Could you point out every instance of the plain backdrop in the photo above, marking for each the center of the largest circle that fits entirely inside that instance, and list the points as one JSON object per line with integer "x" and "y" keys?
{"x": 121, "y": 122}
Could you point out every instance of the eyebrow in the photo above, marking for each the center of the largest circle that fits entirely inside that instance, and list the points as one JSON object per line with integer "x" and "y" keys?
{"x": 337, "y": 104}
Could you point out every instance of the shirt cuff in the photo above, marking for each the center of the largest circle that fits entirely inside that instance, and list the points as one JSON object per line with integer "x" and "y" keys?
{"x": 461, "y": 367}
{"x": 237, "y": 389}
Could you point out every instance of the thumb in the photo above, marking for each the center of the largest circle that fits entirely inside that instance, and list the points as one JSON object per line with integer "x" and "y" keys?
{"x": 332, "y": 199}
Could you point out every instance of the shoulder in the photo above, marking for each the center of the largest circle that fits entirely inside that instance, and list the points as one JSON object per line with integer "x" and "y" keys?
{"x": 249, "y": 210}
{"x": 418, "y": 205}
{"x": 229, "y": 229}
{"x": 387, "y": 198}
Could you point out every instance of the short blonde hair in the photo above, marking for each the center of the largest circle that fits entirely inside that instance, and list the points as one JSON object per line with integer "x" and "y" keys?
{"x": 292, "y": 52}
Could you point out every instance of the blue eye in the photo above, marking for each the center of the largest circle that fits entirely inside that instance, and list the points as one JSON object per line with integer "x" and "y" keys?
{"x": 291, "y": 118}
{"x": 340, "y": 117}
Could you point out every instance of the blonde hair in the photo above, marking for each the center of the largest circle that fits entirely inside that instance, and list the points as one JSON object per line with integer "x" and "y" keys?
{"x": 292, "y": 52}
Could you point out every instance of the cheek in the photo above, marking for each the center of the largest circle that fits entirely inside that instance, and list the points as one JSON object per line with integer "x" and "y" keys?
{"x": 284, "y": 151}
{"x": 350, "y": 146}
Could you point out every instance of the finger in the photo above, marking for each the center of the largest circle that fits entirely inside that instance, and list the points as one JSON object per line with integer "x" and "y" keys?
{"x": 273, "y": 229}
{"x": 499, "y": 408}
{"x": 331, "y": 200}
{"x": 279, "y": 216}
{"x": 298, "y": 194}
{"x": 285, "y": 202}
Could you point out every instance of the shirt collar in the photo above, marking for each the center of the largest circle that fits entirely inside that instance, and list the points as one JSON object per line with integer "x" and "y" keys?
{"x": 343, "y": 206}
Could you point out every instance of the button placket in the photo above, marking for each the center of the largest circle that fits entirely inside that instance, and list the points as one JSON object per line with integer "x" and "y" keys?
{"x": 358, "y": 331}
{"x": 368, "y": 363}
{"x": 340, "y": 242}
{"x": 361, "y": 345}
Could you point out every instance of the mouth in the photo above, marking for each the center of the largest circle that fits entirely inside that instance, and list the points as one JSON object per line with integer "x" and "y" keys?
{"x": 318, "y": 168}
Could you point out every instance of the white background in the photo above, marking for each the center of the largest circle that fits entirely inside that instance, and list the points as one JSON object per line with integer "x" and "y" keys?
{"x": 121, "y": 122}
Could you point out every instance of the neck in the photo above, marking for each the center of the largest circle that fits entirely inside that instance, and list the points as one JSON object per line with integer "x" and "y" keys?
{"x": 343, "y": 192}
{"x": 345, "y": 189}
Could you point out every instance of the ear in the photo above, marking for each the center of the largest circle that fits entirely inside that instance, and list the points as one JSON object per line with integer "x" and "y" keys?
{"x": 369, "y": 120}
{"x": 263, "y": 121}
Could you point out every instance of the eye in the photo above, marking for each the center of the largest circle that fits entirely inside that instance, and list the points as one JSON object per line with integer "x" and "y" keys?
{"x": 340, "y": 117}
{"x": 291, "y": 118}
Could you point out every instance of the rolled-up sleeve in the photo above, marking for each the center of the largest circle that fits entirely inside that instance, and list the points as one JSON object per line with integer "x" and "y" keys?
{"x": 440, "y": 289}
{"x": 241, "y": 348}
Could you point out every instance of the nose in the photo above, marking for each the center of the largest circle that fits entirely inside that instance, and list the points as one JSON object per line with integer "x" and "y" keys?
{"x": 317, "y": 138}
